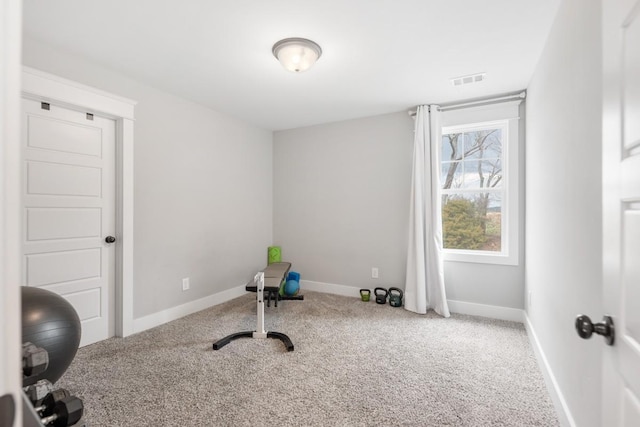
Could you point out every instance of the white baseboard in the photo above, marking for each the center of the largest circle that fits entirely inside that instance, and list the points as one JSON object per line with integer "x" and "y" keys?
{"x": 156, "y": 319}
{"x": 173, "y": 313}
{"x": 491, "y": 311}
{"x": 329, "y": 288}
{"x": 461, "y": 307}
{"x": 562, "y": 409}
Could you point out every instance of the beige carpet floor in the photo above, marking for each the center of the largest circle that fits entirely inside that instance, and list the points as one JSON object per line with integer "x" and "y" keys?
{"x": 354, "y": 364}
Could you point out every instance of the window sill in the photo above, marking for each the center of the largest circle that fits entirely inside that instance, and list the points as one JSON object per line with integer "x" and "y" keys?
{"x": 480, "y": 257}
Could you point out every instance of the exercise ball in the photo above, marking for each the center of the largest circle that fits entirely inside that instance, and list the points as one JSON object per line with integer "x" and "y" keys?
{"x": 291, "y": 287}
{"x": 50, "y": 321}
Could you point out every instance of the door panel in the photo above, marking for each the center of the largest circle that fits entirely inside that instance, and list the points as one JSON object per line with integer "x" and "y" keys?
{"x": 69, "y": 209}
{"x": 88, "y": 303}
{"x": 63, "y": 180}
{"x": 621, "y": 209}
{"x": 64, "y": 136}
{"x": 62, "y": 223}
{"x": 631, "y": 274}
{"x": 631, "y": 81}
{"x": 43, "y": 269}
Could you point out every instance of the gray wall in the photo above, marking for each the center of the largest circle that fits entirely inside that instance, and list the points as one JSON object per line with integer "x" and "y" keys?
{"x": 488, "y": 284}
{"x": 341, "y": 207}
{"x": 341, "y": 199}
{"x": 492, "y": 284}
{"x": 199, "y": 176}
{"x": 564, "y": 192}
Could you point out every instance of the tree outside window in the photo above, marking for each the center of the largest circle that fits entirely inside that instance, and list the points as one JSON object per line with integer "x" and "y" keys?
{"x": 473, "y": 187}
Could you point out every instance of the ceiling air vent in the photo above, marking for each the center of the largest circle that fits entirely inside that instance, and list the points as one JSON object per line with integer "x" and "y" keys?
{"x": 471, "y": 78}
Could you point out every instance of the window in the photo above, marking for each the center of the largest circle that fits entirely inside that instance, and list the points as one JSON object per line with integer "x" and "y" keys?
{"x": 479, "y": 184}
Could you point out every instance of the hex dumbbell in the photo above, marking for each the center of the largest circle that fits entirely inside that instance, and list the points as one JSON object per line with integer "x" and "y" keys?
{"x": 35, "y": 360}
{"x": 49, "y": 402}
{"x": 66, "y": 412}
{"x": 38, "y": 391}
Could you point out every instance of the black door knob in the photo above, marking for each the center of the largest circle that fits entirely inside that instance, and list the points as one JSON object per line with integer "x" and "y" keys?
{"x": 110, "y": 239}
{"x": 585, "y": 328}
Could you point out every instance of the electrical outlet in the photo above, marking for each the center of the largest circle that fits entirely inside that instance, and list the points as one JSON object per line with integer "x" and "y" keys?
{"x": 374, "y": 273}
{"x": 185, "y": 284}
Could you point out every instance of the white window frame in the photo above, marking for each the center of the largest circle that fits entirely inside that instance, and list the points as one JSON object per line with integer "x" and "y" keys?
{"x": 505, "y": 116}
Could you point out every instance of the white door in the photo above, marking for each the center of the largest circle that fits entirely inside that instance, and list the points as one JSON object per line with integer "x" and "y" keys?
{"x": 69, "y": 210}
{"x": 621, "y": 215}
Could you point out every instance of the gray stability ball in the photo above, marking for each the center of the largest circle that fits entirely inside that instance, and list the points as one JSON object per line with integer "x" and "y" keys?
{"x": 50, "y": 321}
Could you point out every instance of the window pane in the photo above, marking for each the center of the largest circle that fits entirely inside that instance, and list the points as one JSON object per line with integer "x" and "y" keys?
{"x": 483, "y": 174}
{"x": 451, "y": 147}
{"x": 469, "y": 144}
{"x": 483, "y": 144}
{"x": 472, "y": 221}
{"x": 451, "y": 175}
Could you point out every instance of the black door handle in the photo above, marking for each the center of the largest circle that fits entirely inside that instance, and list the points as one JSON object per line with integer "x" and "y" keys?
{"x": 110, "y": 239}
{"x": 585, "y": 328}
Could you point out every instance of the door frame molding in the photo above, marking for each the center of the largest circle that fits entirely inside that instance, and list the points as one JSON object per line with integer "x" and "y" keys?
{"x": 43, "y": 86}
{"x": 10, "y": 160}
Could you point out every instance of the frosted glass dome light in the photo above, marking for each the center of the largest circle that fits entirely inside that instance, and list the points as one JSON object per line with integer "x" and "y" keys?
{"x": 297, "y": 54}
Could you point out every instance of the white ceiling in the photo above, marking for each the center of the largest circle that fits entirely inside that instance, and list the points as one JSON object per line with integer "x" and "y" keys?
{"x": 379, "y": 56}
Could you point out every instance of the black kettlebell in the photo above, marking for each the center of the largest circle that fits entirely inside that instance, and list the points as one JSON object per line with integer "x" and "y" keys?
{"x": 395, "y": 297}
{"x": 381, "y": 295}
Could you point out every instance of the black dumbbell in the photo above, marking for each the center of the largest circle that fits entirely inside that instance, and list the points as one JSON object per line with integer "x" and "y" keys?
{"x": 66, "y": 412}
{"x": 35, "y": 360}
{"x": 49, "y": 402}
{"x": 38, "y": 391}
{"x": 381, "y": 295}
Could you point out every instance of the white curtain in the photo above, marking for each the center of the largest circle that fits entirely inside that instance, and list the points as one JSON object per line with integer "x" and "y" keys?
{"x": 424, "y": 287}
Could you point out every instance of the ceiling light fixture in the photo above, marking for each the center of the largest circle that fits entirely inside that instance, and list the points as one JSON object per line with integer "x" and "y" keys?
{"x": 297, "y": 54}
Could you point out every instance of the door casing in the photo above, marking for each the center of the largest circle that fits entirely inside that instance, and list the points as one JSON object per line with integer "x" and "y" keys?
{"x": 42, "y": 86}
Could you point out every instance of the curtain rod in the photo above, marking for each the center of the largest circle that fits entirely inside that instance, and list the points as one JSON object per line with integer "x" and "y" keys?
{"x": 476, "y": 102}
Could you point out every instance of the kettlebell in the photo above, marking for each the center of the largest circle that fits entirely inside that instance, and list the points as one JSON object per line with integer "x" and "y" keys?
{"x": 365, "y": 294}
{"x": 395, "y": 297}
{"x": 381, "y": 295}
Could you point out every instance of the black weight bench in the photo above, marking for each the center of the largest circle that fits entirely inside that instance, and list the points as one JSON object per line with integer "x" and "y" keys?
{"x": 268, "y": 280}
{"x": 274, "y": 275}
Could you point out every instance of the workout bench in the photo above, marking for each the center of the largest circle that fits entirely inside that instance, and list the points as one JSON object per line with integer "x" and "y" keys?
{"x": 274, "y": 275}
{"x": 269, "y": 280}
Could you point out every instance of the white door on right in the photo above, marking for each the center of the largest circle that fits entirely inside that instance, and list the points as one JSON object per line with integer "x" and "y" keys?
{"x": 621, "y": 214}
